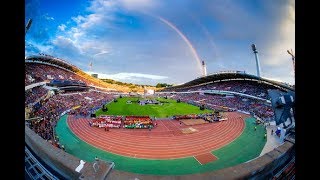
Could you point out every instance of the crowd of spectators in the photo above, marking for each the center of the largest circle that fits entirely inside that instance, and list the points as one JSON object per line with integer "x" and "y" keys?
{"x": 211, "y": 101}
{"x": 254, "y": 88}
{"x": 246, "y": 87}
{"x": 35, "y": 72}
{"x": 50, "y": 109}
{"x": 34, "y": 94}
{"x": 47, "y": 110}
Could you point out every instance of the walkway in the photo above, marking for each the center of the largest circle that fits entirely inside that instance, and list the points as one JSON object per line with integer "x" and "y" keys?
{"x": 273, "y": 141}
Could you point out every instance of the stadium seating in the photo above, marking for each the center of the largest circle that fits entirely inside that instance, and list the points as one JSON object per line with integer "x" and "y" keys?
{"x": 246, "y": 87}
{"x": 85, "y": 103}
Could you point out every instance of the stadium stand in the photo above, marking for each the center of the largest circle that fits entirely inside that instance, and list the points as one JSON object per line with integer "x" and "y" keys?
{"x": 49, "y": 110}
{"x": 220, "y": 102}
{"x": 46, "y": 110}
{"x": 39, "y": 68}
{"x": 33, "y": 95}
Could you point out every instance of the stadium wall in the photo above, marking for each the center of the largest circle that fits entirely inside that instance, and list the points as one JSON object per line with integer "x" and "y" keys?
{"x": 266, "y": 166}
{"x": 63, "y": 163}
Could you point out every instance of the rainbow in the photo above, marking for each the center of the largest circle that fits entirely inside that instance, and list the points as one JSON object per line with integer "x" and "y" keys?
{"x": 207, "y": 34}
{"x": 185, "y": 39}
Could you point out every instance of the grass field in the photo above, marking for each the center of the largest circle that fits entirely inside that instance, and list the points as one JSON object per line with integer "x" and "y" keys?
{"x": 169, "y": 108}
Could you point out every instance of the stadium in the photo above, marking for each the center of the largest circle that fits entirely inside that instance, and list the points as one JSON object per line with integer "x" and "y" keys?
{"x": 222, "y": 125}
{"x": 118, "y": 89}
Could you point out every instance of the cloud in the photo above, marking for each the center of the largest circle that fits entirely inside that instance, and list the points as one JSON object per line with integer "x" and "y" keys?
{"x": 102, "y": 52}
{"x": 66, "y": 47}
{"x": 62, "y": 27}
{"x": 131, "y": 54}
{"x": 139, "y": 75}
{"x": 62, "y": 41}
{"x": 91, "y": 20}
{"x": 142, "y": 5}
{"x": 119, "y": 36}
{"x": 38, "y": 32}
{"x": 271, "y": 26}
{"x": 79, "y": 19}
{"x": 283, "y": 38}
{"x": 47, "y": 17}
{"x": 91, "y": 39}
{"x": 82, "y": 37}
{"x": 131, "y": 77}
{"x": 284, "y": 73}
{"x": 30, "y": 49}
{"x": 103, "y": 6}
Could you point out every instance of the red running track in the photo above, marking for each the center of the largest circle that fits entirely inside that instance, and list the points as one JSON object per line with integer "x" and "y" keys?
{"x": 166, "y": 141}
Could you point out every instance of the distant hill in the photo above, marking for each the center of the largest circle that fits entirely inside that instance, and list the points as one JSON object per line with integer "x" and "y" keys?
{"x": 129, "y": 87}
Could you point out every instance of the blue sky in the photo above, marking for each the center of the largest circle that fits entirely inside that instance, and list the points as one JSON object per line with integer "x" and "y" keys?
{"x": 152, "y": 41}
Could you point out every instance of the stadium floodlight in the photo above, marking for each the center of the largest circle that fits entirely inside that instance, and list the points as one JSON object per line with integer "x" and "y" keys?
{"x": 204, "y": 68}
{"x": 254, "y": 49}
{"x": 28, "y": 25}
{"x": 293, "y": 58}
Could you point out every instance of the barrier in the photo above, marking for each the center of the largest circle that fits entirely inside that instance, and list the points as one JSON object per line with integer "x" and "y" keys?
{"x": 64, "y": 164}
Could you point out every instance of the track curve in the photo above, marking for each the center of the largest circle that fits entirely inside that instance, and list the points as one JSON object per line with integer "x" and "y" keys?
{"x": 166, "y": 141}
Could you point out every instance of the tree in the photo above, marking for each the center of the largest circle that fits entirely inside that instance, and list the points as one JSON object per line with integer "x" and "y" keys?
{"x": 160, "y": 85}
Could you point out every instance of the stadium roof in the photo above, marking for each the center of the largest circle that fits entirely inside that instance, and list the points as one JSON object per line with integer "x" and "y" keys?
{"x": 222, "y": 75}
{"x": 230, "y": 75}
{"x": 52, "y": 60}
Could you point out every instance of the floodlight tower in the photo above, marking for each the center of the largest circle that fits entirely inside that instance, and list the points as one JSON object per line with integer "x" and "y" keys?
{"x": 254, "y": 49}
{"x": 293, "y": 59}
{"x": 28, "y": 26}
{"x": 204, "y": 68}
{"x": 90, "y": 66}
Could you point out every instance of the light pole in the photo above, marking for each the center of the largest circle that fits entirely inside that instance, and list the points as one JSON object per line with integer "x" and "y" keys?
{"x": 93, "y": 57}
{"x": 204, "y": 69}
{"x": 254, "y": 49}
{"x": 293, "y": 59}
{"x": 28, "y": 25}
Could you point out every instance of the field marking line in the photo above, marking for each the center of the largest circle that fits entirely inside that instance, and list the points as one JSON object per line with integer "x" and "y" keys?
{"x": 197, "y": 160}
{"x": 164, "y": 125}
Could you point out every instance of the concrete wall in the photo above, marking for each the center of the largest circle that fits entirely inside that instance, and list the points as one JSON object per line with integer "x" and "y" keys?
{"x": 63, "y": 163}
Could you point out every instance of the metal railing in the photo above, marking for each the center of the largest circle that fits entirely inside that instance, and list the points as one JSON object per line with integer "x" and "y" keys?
{"x": 34, "y": 169}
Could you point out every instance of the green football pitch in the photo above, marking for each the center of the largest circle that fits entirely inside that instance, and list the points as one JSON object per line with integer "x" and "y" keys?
{"x": 168, "y": 108}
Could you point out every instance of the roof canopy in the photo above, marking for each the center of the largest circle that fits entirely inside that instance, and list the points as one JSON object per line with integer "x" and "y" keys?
{"x": 231, "y": 75}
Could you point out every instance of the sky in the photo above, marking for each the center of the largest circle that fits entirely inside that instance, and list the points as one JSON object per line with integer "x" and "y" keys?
{"x": 164, "y": 41}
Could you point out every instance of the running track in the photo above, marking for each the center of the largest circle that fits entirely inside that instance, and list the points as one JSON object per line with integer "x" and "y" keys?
{"x": 166, "y": 141}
